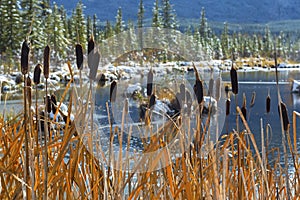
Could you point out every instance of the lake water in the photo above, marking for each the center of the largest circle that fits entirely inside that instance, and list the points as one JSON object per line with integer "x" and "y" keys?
{"x": 261, "y": 82}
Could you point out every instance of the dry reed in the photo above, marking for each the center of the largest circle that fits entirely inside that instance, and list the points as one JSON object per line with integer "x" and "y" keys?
{"x": 228, "y": 170}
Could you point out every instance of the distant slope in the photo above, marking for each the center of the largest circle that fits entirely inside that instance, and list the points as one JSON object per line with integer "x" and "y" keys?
{"x": 239, "y": 11}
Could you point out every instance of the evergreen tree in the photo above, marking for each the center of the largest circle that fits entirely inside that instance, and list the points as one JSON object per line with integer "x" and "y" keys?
{"x": 169, "y": 16}
{"x": 95, "y": 28}
{"x": 108, "y": 32}
{"x": 156, "y": 19}
{"x": 11, "y": 37}
{"x": 57, "y": 38}
{"x": 89, "y": 27}
{"x": 225, "y": 41}
{"x": 203, "y": 27}
{"x": 78, "y": 26}
{"x": 119, "y": 27}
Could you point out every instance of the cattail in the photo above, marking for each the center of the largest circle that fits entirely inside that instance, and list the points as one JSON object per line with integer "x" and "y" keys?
{"x": 218, "y": 89}
{"x": 234, "y": 80}
{"x": 149, "y": 82}
{"x": 253, "y": 99}
{"x": 152, "y": 101}
{"x": 93, "y": 61}
{"x": 268, "y": 103}
{"x": 46, "y": 61}
{"x": 37, "y": 74}
{"x": 48, "y": 103}
{"x": 284, "y": 115}
{"x": 244, "y": 108}
{"x": 79, "y": 56}
{"x": 53, "y": 103}
{"x": 227, "y": 107}
{"x": 198, "y": 87}
{"x": 210, "y": 87}
{"x": 113, "y": 91}
{"x": 24, "y": 57}
{"x": 28, "y": 89}
{"x": 91, "y": 44}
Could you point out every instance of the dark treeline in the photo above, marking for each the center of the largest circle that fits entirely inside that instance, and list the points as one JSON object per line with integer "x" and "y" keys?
{"x": 43, "y": 23}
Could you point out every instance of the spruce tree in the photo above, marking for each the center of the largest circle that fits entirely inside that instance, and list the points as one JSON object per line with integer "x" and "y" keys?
{"x": 57, "y": 38}
{"x": 119, "y": 27}
{"x": 11, "y": 35}
{"x": 156, "y": 19}
{"x": 168, "y": 15}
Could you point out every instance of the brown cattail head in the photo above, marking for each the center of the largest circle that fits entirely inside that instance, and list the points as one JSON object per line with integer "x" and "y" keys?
{"x": 149, "y": 82}
{"x": 268, "y": 103}
{"x": 284, "y": 115}
{"x": 24, "y": 58}
{"x": 46, "y": 61}
{"x": 48, "y": 103}
{"x": 152, "y": 101}
{"x": 93, "y": 62}
{"x": 210, "y": 87}
{"x": 234, "y": 81}
{"x": 253, "y": 99}
{"x": 53, "y": 103}
{"x": 91, "y": 44}
{"x": 227, "y": 107}
{"x": 37, "y": 74}
{"x": 79, "y": 56}
{"x": 113, "y": 91}
{"x": 218, "y": 89}
{"x": 198, "y": 87}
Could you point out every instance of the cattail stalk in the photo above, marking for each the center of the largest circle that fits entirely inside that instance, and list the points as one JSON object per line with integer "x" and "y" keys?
{"x": 283, "y": 122}
{"x": 24, "y": 69}
{"x": 36, "y": 81}
{"x": 46, "y": 75}
{"x": 235, "y": 90}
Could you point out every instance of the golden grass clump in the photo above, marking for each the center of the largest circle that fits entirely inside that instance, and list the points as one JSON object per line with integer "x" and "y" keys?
{"x": 230, "y": 168}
